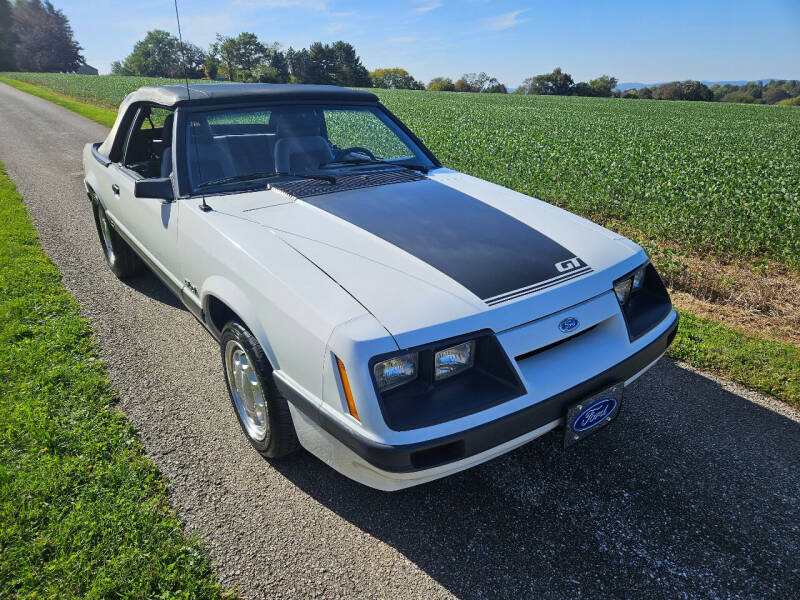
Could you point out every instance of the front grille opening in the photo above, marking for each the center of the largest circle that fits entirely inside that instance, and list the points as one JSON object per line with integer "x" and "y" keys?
{"x": 553, "y": 345}
{"x": 438, "y": 455}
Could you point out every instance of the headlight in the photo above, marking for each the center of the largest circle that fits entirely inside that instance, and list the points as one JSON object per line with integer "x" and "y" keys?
{"x": 643, "y": 300}
{"x": 443, "y": 380}
{"x": 638, "y": 278}
{"x": 454, "y": 360}
{"x": 396, "y": 371}
{"x": 623, "y": 290}
{"x": 633, "y": 283}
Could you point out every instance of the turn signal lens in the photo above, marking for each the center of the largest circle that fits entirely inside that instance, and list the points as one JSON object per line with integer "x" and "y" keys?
{"x": 454, "y": 360}
{"x": 348, "y": 393}
{"x": 396, "y": 371}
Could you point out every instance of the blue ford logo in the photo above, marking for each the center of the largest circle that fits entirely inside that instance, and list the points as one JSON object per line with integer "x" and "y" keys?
{"x": 568, "y": 324}
{"x": 589, "y": 417}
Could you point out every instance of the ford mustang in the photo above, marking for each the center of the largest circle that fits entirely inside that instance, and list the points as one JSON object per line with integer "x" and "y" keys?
{"x": 400, "y": 320}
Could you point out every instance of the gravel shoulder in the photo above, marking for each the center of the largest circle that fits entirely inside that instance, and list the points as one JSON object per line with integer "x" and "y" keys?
{"x": 693, "y": 493}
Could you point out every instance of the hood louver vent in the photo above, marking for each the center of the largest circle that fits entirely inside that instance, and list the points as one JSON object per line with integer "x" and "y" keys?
{"x": 306, "y": 188}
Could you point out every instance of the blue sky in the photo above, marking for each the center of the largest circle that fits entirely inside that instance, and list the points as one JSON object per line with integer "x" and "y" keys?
{"x": 510, "y": 39}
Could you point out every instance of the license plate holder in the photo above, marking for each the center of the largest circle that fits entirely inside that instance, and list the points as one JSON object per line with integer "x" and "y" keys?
{"x": 592, "y": 414}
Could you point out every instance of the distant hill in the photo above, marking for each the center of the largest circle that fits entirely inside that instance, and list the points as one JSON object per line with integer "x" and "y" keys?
{"x": 638, "y": 86}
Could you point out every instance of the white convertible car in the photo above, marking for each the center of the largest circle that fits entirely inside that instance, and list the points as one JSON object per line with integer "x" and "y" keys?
{"x": 400, "y": 320}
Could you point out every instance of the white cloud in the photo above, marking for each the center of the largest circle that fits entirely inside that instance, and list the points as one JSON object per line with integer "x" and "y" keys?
{"x": 504, "y": 21}
{"x": 427, "y": 7}
{"x": 402, "y": 39}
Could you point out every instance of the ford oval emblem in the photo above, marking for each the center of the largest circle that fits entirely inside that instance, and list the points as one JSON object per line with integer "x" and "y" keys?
{"x": 568, "y": 324}
{"x": 594, "y": 415}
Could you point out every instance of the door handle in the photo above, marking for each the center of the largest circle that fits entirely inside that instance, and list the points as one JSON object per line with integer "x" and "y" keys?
{"x": 115, "y": 188}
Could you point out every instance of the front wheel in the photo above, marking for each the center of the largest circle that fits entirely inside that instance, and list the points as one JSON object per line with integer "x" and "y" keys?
{"x": 122, "y": 261}
{"x": 262, "y": 411}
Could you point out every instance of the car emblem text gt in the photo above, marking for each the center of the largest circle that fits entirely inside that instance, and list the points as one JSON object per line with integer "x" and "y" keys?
{"x": 568, "y": 324}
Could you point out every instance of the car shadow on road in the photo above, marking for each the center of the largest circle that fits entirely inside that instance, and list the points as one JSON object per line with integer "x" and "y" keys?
{"x": 148, "y": 284}
{"x": 692, "y": 492}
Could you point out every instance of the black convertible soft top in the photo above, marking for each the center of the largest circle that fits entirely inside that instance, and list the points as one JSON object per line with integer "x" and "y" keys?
{"x": 220, "y": 93}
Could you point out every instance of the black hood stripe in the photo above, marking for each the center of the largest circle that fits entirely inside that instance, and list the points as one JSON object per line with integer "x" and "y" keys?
{"x": 492, "y": 254}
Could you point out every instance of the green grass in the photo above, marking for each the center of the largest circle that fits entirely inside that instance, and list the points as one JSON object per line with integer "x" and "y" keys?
{"x": 83, "y": 513}
{"x": 714, "y": 177}
{"x": 103, "y": 116}
{"x": 764, "y": 365}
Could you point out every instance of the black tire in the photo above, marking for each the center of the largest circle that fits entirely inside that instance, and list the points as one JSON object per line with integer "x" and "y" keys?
{"x": 121, "y": 259}
{"x": 280, "y": 438}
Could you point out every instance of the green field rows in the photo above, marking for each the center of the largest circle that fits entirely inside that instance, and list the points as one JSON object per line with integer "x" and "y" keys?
{"x": 710, "y": 177}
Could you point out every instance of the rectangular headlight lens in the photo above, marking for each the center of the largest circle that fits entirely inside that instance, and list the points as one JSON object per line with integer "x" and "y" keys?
{"x": 455, "y": 359}
{"x": 638, "y": 277}
{"x": 623, "y": 290}
{"x": 396, "y": 371}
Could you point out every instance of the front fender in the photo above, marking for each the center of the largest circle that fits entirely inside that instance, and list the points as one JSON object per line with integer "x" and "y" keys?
{"x": 229, "y": 294}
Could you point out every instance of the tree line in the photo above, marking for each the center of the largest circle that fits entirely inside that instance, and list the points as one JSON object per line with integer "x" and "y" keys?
{"x": 244, "y": 58}
{"x": 776, "y": 91}
{"x": 558, "y": 83}
{"x": 35, "y": 36}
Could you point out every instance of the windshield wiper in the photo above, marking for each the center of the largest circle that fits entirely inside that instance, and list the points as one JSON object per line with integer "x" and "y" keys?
{"x": 264, "y": 175}
{"x": 375, "y": 161}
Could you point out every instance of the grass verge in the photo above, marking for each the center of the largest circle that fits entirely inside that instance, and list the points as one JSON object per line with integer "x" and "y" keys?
{"x": 103, "y": 116}
{"x": 768, "y": 366}
{"x": 83, "y": 512}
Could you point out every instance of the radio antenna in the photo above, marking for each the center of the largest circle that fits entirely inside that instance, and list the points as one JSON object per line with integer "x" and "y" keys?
{"x": 203, "y": 206}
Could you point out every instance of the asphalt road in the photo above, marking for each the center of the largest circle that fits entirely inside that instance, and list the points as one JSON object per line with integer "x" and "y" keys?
{"x": 692, "y": 493}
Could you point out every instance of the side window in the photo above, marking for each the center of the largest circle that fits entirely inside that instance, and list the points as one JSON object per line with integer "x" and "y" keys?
{"x": 362, "y": 128}
{"x": 148, "y": 149}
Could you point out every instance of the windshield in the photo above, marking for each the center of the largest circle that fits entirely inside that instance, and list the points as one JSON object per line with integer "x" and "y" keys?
{"x": 242, "y": 148}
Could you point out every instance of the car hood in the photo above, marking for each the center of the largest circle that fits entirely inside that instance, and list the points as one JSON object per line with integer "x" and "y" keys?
{"x": 447, "y": 251}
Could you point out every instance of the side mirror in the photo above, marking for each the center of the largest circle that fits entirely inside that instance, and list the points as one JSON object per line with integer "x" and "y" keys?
{"x": 159, "y": 187}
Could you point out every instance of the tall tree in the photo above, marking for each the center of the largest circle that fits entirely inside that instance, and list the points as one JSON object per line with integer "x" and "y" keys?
{"x": 695, "y": 90}
{"x": 480, "y": 83}
{"x": 334, "y": 64}
{"x": 246, "y": 58}
{"x": 348, "y": 68}
{"x": 157, "y": 55}
{"x": 6, "y": 37}
{"x": 44, "y": 40}
{"x": 603, "y": 85}
{"x": 555, "y": 83}
{"x": 395, "y": 78}
{"x": 441, "y": 84}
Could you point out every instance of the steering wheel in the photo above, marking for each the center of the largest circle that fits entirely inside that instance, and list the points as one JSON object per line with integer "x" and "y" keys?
{"x": 342, "y": 152}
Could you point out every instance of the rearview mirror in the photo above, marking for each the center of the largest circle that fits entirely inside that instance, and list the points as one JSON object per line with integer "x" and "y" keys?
{"x": 159, "y": 187}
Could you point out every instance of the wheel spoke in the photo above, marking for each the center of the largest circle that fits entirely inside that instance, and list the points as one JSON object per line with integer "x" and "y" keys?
{"x": 246, "y": 390}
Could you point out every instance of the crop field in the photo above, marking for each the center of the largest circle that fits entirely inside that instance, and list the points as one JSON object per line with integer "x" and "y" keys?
{"x": 709, "y": 177}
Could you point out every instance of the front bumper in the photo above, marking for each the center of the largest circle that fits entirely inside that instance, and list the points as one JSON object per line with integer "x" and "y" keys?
{"x": 480, "y": 440}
